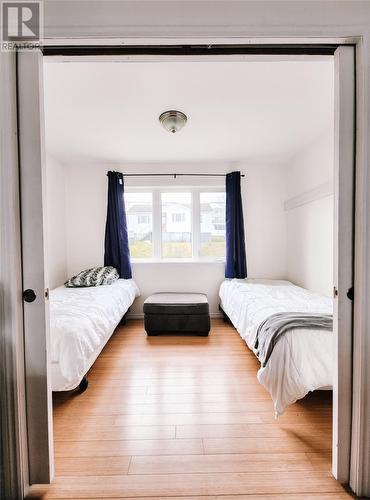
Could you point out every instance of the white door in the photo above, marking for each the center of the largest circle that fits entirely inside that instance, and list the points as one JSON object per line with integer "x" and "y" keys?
{"x": 344, "y": 171}
{"x": 36, "y": 319}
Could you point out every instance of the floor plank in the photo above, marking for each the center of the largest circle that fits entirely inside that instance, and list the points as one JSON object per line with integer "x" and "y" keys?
{"x": 183, "y": 417}
{"x": 92, "y": 466}
{"x": 272, "y": 445}
{"x": 252, "y": 430}
{"x": 128, "y": 447}
{"x": 192, "y": 484}
{"x": 110, "y": 433}
{"x": 249, "y": 462}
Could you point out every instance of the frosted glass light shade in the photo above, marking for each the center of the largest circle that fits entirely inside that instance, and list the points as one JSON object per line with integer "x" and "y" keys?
{"x": 173, "y": 121}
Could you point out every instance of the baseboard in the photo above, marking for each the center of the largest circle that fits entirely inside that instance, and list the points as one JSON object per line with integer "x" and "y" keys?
{"x": 135, "y": 316}
{"x": 214, "y": 315}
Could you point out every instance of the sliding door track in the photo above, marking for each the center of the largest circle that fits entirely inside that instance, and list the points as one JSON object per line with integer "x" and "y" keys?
{"x": 188, "y": 50}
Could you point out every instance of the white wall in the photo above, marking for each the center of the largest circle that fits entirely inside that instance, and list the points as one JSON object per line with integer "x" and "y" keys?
{"x": 265, "y": 224}
{"x": 183, "y": 277}
{"x": 310, "y": 225}
{"x": 56, "y": 222}
{"x": 263, "y": 197}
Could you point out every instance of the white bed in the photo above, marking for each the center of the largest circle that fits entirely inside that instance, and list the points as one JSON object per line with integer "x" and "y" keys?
{"x": 302, "y": 360}
{"x": 81, "y": 322}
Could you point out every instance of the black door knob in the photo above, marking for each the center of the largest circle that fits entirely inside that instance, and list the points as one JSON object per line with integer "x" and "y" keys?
{"x": 29, "y": 295}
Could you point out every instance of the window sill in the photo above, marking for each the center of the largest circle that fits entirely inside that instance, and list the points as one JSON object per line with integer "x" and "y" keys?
{"x": 177, "y": 261}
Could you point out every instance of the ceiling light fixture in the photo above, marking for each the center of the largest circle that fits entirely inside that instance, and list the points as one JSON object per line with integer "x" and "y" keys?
{"x": 173, "y": 121}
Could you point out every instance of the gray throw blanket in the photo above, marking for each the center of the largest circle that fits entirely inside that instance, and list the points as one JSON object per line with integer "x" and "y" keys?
{"x": 276, "y": 325}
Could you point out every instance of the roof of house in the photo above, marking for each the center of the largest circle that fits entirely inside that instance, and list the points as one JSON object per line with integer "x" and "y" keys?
{"x": 139, "y": 209}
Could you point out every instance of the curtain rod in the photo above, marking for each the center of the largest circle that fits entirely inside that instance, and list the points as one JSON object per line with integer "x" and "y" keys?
{"x": 177, "y": 175}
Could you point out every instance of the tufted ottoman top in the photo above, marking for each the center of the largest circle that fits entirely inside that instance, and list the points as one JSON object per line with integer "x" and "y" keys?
{"x": 176, "y": 303}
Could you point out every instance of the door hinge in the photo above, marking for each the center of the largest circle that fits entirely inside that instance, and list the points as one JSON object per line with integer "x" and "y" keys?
{"x": 335, "y": 291}
{"x": 47, "y": 293}
{"x": 351, "y": 293}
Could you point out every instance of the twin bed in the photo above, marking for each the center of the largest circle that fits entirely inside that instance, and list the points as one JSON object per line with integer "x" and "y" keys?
{"x": 81, "y": 322}
{"x": 300, "y": 360}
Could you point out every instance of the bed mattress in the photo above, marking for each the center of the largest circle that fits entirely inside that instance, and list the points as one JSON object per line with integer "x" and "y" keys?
{"x": 302, "y": 360}
{"x": 81, "y": 322}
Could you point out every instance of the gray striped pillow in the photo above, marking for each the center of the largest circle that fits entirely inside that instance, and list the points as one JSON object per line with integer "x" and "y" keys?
{"x": 95, "y": 276}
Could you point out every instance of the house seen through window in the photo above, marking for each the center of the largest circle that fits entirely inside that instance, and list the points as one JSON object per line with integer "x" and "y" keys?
{"x": 212, "y": 225}
{"x": 139, "y": 207}
{"x": 176, "y": 225}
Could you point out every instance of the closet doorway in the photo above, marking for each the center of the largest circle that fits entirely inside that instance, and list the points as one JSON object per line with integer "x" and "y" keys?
{"x": 32, "y": 169}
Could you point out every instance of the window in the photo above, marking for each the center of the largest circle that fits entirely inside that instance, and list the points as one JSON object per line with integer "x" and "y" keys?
{"x": 178, "y": 217}
{"x": 212, "y": 225}
{"x": 176, "y": 228}
{"x": 139, "y": 208}
{"x": 143, "y": 219}
{"x": 164, "y": 224}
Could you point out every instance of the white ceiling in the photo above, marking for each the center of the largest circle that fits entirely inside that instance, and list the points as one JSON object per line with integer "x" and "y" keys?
{"x": 240, "y": 110}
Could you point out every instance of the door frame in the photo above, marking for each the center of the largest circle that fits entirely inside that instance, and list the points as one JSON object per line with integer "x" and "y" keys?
{"x": 357, "y": 456}
{"x": 14, "y": 452}
{"x": 345, "y": 134}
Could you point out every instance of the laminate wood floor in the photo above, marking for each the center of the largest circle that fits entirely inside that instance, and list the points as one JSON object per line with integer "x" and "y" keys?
{"x": 173, "y": 417}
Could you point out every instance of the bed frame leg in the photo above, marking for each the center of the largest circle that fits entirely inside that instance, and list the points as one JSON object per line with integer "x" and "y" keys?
{"x": 83, "y": 384}
{"x": 124, "y": 318}
{"x": 224, "y": 315}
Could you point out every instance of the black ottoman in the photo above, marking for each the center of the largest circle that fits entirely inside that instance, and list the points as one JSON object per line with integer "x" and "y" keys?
{"x": 177, "y": 313}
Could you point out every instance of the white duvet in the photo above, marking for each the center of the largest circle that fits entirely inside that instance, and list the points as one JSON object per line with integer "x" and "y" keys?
{"x": 302, "y": 360}
{"x": 81, "y": 322}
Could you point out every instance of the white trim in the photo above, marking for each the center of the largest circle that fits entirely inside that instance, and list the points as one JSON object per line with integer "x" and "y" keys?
{"x": 13, "y": 451}
{"x": 195, "y": 223}
{"x": 360, "y": 442}
{"x": 156, "y": 224}
{"x": 179, "y": 188}
{"x": 178, "y": 261}
{"x": 187, "y": 58}
{"x": 137, "y": 38}
{"x": 322, "y": 191}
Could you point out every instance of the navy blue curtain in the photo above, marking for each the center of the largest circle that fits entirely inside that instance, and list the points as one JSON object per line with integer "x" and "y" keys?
{"x": 236, "y": 265}
{"x": 117, "y": 252}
